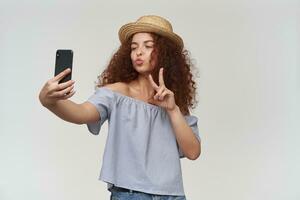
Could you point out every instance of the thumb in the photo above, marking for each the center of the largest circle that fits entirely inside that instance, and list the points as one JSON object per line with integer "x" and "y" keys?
{"x": 153, "y": 101}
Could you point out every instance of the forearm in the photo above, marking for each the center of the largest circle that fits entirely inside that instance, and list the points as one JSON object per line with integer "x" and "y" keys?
{"x": 187, "y": 141}
{"x": 68, "y": 111}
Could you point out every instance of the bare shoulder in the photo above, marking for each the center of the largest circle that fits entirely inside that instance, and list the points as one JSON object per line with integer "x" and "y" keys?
{"x": 120, "y": 87}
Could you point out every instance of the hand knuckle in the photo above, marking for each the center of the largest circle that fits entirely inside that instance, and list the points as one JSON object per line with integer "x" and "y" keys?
{"x": 61, "y": 93}
{"x": 48, "y": 83}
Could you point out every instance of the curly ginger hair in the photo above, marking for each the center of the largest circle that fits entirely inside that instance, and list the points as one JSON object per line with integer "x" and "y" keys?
{"x": 177, "y": 70}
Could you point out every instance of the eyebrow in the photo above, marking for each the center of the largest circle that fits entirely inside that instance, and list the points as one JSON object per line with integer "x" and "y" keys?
{"x": 144, "y": 42}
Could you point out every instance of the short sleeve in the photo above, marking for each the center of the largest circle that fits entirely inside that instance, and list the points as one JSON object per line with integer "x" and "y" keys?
{"x": 193, "y": 123}
{"x": 103, "y": 100}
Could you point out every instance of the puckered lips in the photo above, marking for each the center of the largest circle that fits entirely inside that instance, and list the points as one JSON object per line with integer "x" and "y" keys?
{"x": 138, "y": 61}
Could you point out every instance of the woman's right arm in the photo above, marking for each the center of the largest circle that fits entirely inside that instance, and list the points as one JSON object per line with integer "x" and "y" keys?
{"x": 54, "y": 96}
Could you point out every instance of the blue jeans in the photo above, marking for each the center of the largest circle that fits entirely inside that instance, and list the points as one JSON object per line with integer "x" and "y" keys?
{"x": 136, "y": 195}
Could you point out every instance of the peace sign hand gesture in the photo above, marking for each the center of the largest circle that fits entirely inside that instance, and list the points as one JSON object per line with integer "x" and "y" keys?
{"x": 163, "y": 97}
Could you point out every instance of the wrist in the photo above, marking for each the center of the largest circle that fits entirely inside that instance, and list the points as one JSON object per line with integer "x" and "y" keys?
{"x": 173, "y": 111}
{"x": 48, "y": 104}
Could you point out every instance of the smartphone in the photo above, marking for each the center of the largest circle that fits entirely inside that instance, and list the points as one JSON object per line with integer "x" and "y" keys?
{"x": 64, "y": 60}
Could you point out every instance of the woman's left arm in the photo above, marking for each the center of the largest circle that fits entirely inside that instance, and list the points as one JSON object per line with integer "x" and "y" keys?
{"x": 187, "y": 141}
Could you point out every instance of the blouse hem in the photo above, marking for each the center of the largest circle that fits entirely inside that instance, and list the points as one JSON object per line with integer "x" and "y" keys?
{"x": 149, "y": 191}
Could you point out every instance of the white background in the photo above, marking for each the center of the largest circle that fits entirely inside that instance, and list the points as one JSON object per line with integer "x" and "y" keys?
{"x": 247, "y": 55}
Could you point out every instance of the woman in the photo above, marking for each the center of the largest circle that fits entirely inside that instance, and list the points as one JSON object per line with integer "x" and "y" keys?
{"x": 145, "y": 93}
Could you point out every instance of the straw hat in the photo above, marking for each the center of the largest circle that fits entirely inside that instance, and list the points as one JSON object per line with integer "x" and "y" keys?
{"x": 150, "y": 23}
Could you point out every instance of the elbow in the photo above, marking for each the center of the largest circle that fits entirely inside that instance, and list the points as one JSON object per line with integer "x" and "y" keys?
{"x": 78, "y": 122}
{"x": 194, "y": 155}
{"x": 75, "y": 121}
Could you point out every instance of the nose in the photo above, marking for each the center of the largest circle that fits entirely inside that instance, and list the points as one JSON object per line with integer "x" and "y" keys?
{"x": 139, "y": 51}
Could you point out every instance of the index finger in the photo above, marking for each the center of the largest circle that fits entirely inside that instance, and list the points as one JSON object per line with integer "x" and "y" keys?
{"x": 61, "y": 75}
{"x": 152, "y": 82}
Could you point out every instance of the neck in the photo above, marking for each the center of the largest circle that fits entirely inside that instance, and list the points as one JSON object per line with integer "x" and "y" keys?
{"x": 142, "y": 86}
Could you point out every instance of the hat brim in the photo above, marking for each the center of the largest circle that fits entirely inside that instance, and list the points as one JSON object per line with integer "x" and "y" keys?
{"x": 127, "y": 30}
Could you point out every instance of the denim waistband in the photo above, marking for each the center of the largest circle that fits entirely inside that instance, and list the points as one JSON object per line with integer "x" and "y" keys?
{"x": 120, "y": 189}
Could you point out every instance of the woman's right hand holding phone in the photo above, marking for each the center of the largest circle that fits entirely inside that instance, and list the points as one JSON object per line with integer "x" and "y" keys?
{"x": 53, "y": 91}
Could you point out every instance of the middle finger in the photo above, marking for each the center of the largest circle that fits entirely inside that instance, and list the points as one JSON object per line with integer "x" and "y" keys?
{"x": 161, "y": 76}
{"x": 62, "y": 93}
{"x": 62, "y": 86}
